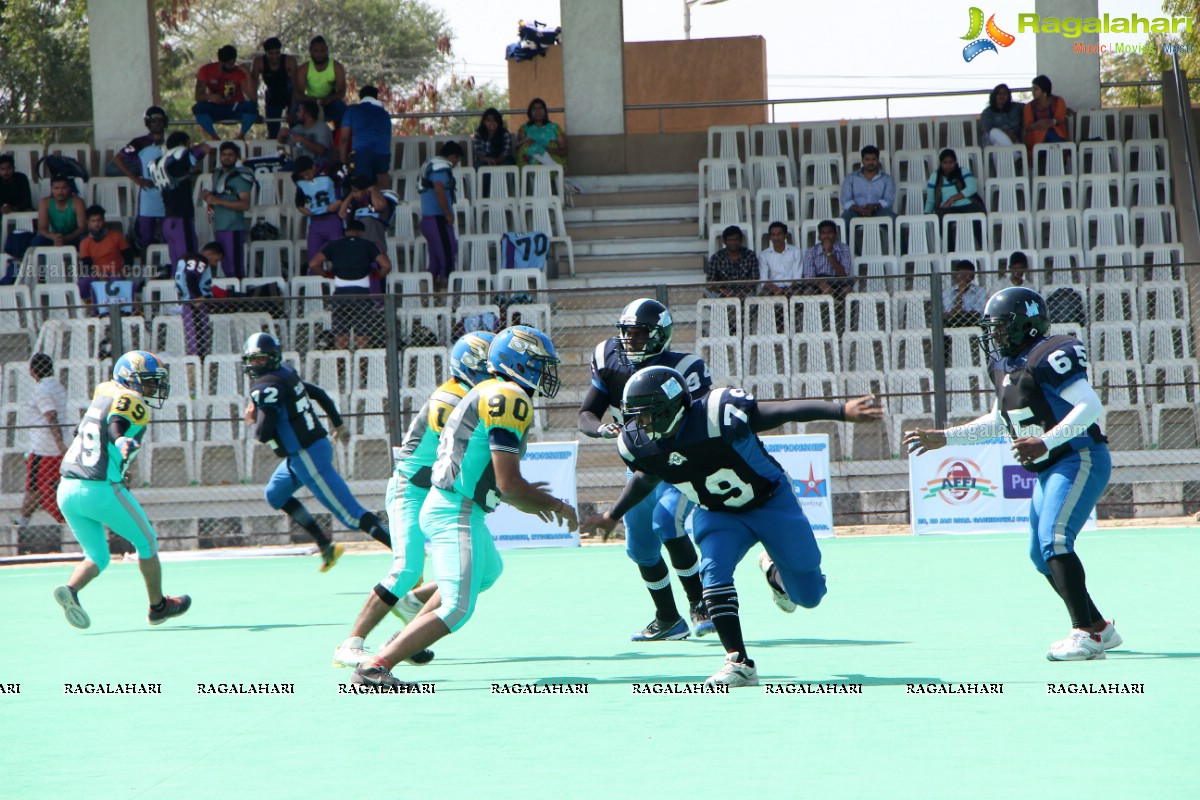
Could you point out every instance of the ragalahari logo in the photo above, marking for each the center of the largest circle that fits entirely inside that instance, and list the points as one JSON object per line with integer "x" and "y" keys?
{"x": 812, "y": 486}
{"x": 995, "y": 36}
{"x": 961, "y": 483}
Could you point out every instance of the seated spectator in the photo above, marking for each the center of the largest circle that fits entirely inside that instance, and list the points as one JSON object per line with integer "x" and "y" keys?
{"x": 732, "y": 263}
{"x": 224, "y": 93}
{"x": 62, "y": 218}
{"x": 962, "y": 303}
{"x": 868, "y": 191}
{"x": 104, "y": 256}
{"x": 228, "y": 203}
{"x": 322, "y": 80}
{"x": 369, "y": 125}
{"x": 828, "y": 267}
{"x": 351, "y": 262}
{"x": 1046, "y": 116}
{"x": 540, "y": 141}
{"x": 318, "y": 198}
{"x": 781, "y": 264}
{"x": 492, "y": 141}
{"x": 309, "y": 137}
{"x": 1001, "y": 121}
{"x": 275, "y": 70}
{"x": 15, "y": 192}
{"x": 193, "y": 280}
{"x": 951, "y": 189}
{"x": 1017, "y": 275}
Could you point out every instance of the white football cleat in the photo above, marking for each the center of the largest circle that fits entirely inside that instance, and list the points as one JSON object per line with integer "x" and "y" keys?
{"x": 350, "y": 653}
{"x": 782, "y": 600}
{"x": 1079, "y": 646}
{"x": 734, "y": 674}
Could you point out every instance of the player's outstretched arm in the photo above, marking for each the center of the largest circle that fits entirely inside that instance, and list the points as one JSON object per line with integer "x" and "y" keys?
{"x": 923, "y": 440}
{"x": 591, "y": 416}
{"x": 528, "y": 497}
{"x": 637, "y": 488}
{"x": 770, "y": 414}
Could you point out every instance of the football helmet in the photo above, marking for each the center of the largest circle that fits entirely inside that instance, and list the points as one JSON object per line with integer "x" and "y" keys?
{"x": 257, "y": 346}
{"x": 644, "y": 330}
{"x": 155, "y": 111}
{"x": 1012, "y": 318}
{"x": 144, "y": 373}
{"x": 655, "y": 400}
{"x": 525, "y": 355}
{"x": 469, "y": 357}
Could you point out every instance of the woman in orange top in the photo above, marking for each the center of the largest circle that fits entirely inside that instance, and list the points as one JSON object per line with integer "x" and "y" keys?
{"x": 1046, "y": 116}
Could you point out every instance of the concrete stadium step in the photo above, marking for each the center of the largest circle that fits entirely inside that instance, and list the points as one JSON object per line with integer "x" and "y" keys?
{"x": 636, "y": 269}
{"x": 634, "y": 229}
{"x": 654, "y": 182}
{"x": 615, "y": 200}
{"x": 651, "y": 246}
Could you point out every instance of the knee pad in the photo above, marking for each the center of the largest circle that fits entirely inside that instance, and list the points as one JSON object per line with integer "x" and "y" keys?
{"x": 384, "y": 594}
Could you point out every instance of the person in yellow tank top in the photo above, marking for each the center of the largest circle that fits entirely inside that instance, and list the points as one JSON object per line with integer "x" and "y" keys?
{"x": 322, "y": 80}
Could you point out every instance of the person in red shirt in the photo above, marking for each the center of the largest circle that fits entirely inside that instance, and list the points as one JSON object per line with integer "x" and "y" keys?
{"x": 103, "y": 254}
{"x": 223, "y": 93}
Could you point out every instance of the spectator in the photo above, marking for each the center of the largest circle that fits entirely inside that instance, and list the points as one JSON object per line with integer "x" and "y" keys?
{"x": 15, "y": 192}
{"x": 224, "y": 93}
{"x": 317, "y": 198}
{"x": 193, "y": 279}
{"x": 370, "y": 126}
{"x": 782, "y": 263}
{"x": 275, "y": 70}
{"x": 370, "y": 206}
{"x": 1017, "y": 275}
{"x": 732, "y": 263}
{"x": 47, "y": 405}
{"x": 62, "y": 218}
{"x": 868, "y": 191}
{"x": 962, "y": 303}
{"x": 438, "y": 194}
{"x": 492, "y": 141}
{"x": 351, "y": 262}
{"x": 173, "y": 174}
{"x": 951, "y": 190}
{"x": 322, "y": 79}
{"x": 228, "y": 203}
{"x": 827, "y": 267}
{"x": 309, "y": 137}
{"x": 1002, "y": 119}
{"x": 540, "y": 141}
{"x": 103, "y": 254}
{"x": 134, "y": 161}
{"x": 1046, "y": 116}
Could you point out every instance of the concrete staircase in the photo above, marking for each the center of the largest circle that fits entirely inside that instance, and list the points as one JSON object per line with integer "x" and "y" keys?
{"x": 636, "y": 230}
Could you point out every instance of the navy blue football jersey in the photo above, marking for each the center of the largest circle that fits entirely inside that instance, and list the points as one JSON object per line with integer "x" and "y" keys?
{"x": 715, "y": 458}
{"x": 1028, "y": 393}
{"x": 611, "y": 371}
{"x": 290, "y": 423}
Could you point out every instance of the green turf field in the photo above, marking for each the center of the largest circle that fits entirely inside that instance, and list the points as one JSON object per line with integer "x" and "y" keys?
{"x": 899, "y": 610}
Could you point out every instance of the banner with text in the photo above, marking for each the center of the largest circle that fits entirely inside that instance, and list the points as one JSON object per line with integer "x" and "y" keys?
{"x": 805, "y": 458}
{"x": 972, "y": 488}
{"x": 553, "y": 462}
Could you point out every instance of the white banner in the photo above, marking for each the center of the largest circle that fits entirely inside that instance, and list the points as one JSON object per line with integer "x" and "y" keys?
{"x": 805, "y": 458}
{"x": 553, "y": 462}
{"x": 972, "y": 488}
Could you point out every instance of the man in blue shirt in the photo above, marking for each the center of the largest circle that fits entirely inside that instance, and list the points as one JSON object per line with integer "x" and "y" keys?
{"x": 868, "y": 191}
{"x": 368, "y": 125}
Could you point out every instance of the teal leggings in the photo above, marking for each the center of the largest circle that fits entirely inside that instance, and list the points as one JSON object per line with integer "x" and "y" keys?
{"x": 90, "y": 506}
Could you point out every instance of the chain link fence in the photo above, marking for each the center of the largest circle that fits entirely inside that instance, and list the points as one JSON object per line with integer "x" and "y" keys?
{"x": 897, "y": 330}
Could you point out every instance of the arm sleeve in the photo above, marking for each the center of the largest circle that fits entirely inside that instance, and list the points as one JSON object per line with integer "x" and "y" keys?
{"x": 1086, "y": 411}
{"x": 847, "y": 192}
{"x": 591, "y": 412}
{"x": 117, "y": 427}
{"x": 264, "y": 431}
{"x": 889, "y": 192}
{"x": 25, "y": 194}
{"x": 326, "y": 403}
{"x": 637, "y": 489}
{"x": 970, "y": 185}
{"x": 977, "y": 430}
{"x": 768, "y": 414}
{"x": 930, "y": 199}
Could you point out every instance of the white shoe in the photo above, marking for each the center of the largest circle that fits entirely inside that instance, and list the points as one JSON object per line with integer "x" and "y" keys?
{"x": 407, "y": 607}
{"x": 734, "y": 674}
{"x": 782, "y": 600}
{"x": 350, "y": 653}
{"x": 1079, "y": 646}
{"x": 1109, "y": 638}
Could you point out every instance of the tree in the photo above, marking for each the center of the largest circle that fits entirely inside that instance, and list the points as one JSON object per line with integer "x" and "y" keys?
{"x": 1149, "y": 63}
{"x": 45, "y": 71}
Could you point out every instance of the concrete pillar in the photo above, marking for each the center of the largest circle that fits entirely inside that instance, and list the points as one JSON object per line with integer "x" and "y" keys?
{"x": 123, "y": 38}
{"x": 593, "y": 67}
{"x": 1076, "y": 77}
